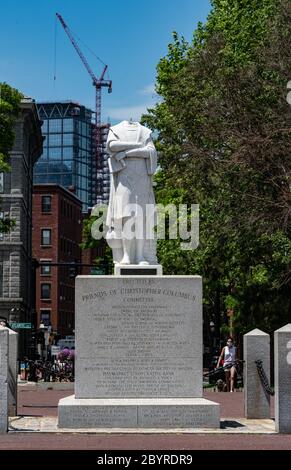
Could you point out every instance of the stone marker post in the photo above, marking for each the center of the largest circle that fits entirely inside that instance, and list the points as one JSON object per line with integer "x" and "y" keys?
{"x": 12, "y": 372}
{"x": 283, "y": 379}
{"x": 256, "y": 399}
{"x": 4, "y": 345}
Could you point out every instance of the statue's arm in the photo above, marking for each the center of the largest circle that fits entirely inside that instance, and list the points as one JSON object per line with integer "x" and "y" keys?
{"x": 119, "y": 156}
{"x": 119, "y": 146}
{"x": 143, "y": 152}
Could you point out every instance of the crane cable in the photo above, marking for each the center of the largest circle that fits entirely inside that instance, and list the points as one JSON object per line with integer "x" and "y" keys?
{"x": 87, "y": 47}
{"x": 55, "y": 50}
{"x": 80, "y": 41}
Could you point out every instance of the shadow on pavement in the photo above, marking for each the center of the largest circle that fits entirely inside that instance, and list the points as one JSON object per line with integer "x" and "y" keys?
{"x": 224, "y": 424}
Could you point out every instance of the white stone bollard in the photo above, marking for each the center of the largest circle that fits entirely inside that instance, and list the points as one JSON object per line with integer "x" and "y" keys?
{"x": 4, "y": 347}
{"x": 283, "y": 379}
{"x": 12, "y": 372}
{"x": 256, "y": 400}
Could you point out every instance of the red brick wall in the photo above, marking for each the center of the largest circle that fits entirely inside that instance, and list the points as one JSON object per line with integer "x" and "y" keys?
{"x": 65, "y": 223}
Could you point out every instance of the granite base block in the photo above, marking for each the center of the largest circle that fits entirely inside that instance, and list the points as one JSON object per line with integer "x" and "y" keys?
{"x": 138, "y": 413}
{"x": 138, "y": 337}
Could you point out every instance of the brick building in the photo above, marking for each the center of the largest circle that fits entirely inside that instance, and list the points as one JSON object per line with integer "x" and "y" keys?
{"x": 16, "y": 298}
{"x": 57, "y": 234}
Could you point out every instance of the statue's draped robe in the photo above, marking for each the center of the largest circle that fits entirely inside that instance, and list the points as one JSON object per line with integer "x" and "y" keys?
{"x": 131, "y": 179}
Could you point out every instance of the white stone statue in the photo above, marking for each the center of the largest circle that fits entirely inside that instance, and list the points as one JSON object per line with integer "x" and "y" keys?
{"x": 132, "y": 163}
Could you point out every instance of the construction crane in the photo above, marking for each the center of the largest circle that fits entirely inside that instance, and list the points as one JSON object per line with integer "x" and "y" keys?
{"x": 98, "y": 83}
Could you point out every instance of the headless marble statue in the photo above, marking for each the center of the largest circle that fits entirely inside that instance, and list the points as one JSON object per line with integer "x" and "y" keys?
{"x": 132, "y": 162}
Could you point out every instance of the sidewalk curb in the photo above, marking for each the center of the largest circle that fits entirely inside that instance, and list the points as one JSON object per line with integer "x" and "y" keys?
{"x": 46, "y": 385}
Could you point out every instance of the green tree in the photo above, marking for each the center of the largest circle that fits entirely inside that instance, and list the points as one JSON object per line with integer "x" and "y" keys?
{"x": 223, "y": 128}
{"x": 9, "y": 109}
{"x": 106, "y": 260}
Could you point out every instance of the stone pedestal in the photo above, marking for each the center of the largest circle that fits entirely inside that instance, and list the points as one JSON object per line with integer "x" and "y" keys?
{"x": 282, "y": 363}
{"x": 138, "y": 354}
{"x": 138, "y": 413}
{"x": 256, "y": 400}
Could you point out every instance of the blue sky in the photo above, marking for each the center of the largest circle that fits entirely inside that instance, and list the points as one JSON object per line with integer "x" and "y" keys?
{"x": 128, "y": 35}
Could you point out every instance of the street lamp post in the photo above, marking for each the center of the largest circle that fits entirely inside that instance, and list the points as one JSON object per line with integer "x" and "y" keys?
{"x": 14, "y": 316}
{"x": 45, "y": 342}
{"x": 41, "y": 340}
{"x": 212, "y": 335}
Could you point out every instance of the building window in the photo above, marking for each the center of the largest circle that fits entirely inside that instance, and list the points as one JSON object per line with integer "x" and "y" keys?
{"x": 41, "y": 167}
{"x": 1, "y": 278}
{"x": 1, "y": 218}
{"x": 68, "y": 125}
{"x": 46, "y": 204}
{"x": 46, "y": 235}
{"x": 68, "y": 139}
{"x": 84, "y": 128}
{"x": 40, "y": 179}
{"x": 45, "y": 291}
{"x": 68, "y": 166}
{"x": 55, "y": 153}
{"x": 1, "y": 182}
{"x": 55, "y": 125}
{"x": 67, "y": 180}
{"x": 45, "y": 269}
{"x": 55, "y": 140}
{"x": 45, "y": 317}
{"x": 68, "y": 153}
{"x": 44, "y": 155}
{"x": 44, "y": 126}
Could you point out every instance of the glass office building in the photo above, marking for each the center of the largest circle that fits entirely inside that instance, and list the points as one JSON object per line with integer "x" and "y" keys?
{"x": 68, "y": 158}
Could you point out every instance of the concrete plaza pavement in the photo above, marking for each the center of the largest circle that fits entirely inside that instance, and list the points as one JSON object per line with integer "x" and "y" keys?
{"x": 37, "y": 409}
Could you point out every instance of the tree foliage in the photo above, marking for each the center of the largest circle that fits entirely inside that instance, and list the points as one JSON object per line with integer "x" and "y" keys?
{"x": 106, "y": 260}
{"x": 223, "y": 127}
{"x": 9, "y": 109}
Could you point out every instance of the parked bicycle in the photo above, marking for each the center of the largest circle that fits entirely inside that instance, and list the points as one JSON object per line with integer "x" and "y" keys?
{"x": 50, "y": 372}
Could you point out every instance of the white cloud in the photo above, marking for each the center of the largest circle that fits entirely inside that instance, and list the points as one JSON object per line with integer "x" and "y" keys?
{"x": 148, "y": 90}
{"x": 127, "y": 113}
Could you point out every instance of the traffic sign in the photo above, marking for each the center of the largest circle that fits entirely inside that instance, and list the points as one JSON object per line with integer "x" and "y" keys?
{"x": 55, "y": 350}
{"x": 20, "y": 326}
